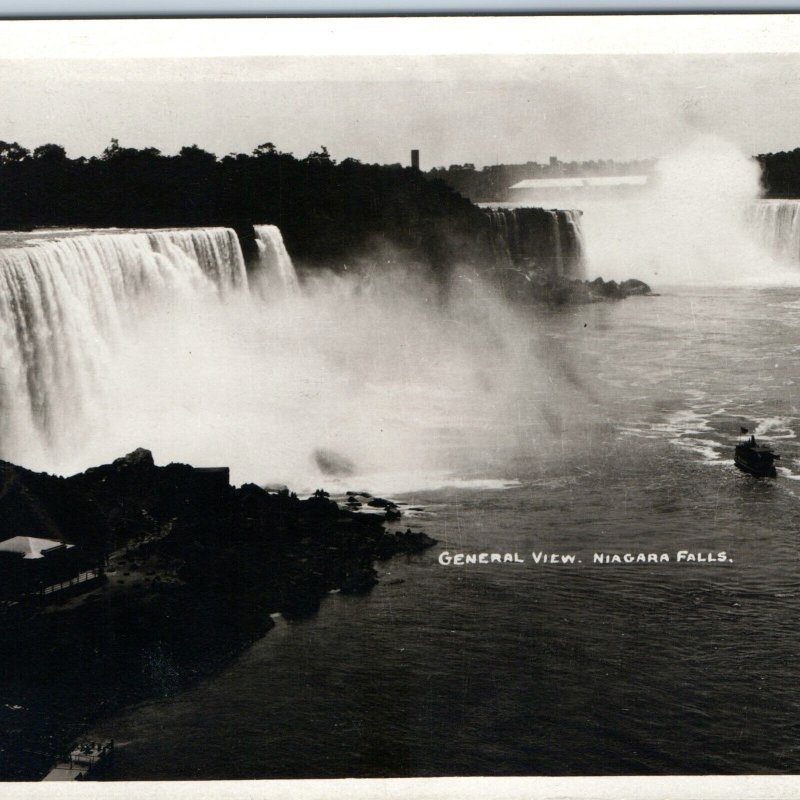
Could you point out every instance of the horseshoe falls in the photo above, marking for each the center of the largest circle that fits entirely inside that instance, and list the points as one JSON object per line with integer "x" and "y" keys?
{"x": 777, "y": 225}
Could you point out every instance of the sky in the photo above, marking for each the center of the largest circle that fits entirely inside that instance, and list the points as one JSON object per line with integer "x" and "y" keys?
{"x": 477, "y": 107}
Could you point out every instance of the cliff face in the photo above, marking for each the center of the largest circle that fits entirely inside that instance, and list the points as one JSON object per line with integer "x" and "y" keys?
{"x": 194, "y": 568}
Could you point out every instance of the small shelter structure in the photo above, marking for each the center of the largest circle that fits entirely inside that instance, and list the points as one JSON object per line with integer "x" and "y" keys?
{"x": 33, "y": 567}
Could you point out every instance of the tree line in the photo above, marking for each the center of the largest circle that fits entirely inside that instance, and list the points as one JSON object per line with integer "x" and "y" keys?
{"x": 326, "y": 210}
{"x": 780, "y": 173}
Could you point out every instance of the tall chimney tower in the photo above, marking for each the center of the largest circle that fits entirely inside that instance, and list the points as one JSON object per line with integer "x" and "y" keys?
{"x": 415, "y": 159}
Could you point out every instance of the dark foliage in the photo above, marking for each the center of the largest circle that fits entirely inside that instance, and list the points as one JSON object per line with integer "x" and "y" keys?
{"x": 780, "y": 173}
{"x": 327, "y": 212}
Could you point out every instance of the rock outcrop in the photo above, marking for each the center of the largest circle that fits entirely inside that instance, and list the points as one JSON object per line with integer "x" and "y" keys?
{"x": 534, "y": 286}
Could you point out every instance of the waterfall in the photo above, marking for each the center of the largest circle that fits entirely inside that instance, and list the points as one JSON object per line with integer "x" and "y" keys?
{"x": 67, "y": 305}
{"x": 112, "y": 340}
{"x": 504, "y": 229}
{"x": 551, "y": 240}
{"x": 573, "y": 243}
{"x": 274, "y": 271}
{"x": 777, "y": 226}
{"x": 558, "y": 250}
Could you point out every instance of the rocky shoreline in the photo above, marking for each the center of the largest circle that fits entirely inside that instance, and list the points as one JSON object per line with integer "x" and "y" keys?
{"x": 540, "y": 287}
{"x": 564, "y": 291}
{"x": 192, "y": 568}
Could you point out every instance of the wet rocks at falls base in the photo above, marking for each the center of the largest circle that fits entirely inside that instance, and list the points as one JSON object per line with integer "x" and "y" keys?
{"x": 578, "y": 292}
{"x": 556, "y": 290}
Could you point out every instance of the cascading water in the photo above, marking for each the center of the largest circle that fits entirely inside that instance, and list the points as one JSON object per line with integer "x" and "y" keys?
{"x": 66, "y": 306}
{"x": 558, "y": 255}
{"x": 573, "y": 242}
{"x": 549, "y": 239}
{"x": 274, "y": 271}
{"x": 776, "y": 224}
{"x": 505, "y": 234}
{"x": 113, "y": 341}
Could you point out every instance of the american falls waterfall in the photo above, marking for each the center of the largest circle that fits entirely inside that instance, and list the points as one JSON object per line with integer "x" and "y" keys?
{"x": 68, "y": 308}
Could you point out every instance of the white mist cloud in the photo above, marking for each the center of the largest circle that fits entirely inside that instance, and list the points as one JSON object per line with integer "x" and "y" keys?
{"x": 412, "y": 392}
{"x": 693, "y": 226}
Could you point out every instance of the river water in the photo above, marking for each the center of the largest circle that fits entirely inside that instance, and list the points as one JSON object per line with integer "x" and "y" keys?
{"x": 618, "y": 441}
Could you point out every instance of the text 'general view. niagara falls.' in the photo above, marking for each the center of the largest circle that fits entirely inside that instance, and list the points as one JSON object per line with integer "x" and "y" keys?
{"x": 375, "y": 416}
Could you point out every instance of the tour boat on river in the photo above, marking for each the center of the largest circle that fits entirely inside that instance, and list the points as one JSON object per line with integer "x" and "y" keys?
{"x": 755, "y": 459}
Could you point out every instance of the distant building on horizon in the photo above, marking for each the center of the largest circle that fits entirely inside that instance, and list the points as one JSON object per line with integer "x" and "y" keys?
{"x": 532, "y": 181}
{"x": 576, "y": 188}
{"x": 415, "y": 159}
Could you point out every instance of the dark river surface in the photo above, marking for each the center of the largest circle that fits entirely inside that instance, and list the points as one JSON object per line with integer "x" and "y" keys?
{"x": 620, "y": 442}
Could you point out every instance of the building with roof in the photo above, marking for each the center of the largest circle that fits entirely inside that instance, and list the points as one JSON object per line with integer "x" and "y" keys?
{"x": 30, "y": 547}
{"x": 38, "y": 568}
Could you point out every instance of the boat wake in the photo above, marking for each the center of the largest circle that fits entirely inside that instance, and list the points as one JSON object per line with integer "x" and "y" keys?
{"x": 708, "y": 432}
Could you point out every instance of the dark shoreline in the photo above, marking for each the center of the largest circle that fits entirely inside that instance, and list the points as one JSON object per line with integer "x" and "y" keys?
{"x": 193, "y": 569}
